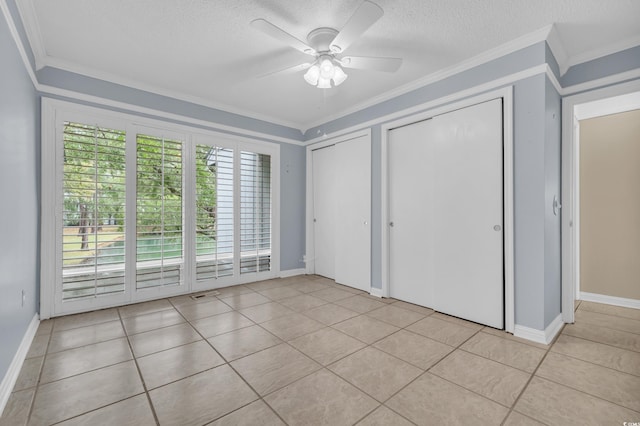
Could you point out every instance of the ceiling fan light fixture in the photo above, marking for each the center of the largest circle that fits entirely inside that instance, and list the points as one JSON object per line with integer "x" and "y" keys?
{"x": 327, "y": 68}
{"x": 323, "y": 71}
{"x": 339, "y": 76}
{"x": 312, "y": 75}
{"x": 324, "y": 83}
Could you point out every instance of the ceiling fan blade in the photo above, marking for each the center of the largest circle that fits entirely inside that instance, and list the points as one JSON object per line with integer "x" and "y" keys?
{"x": 271, "y": 30}
{"x": 288, "y": 70}
{"x": 366, "y": 15}
{"x": 371, "y": 63}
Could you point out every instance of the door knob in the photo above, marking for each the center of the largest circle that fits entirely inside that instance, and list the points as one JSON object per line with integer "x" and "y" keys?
{"x": 497, "y": 228}
{"x": 391, "y": 224}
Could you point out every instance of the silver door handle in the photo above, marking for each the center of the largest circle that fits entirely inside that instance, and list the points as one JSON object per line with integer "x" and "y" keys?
{"x": 391, "y": 224}
{"x": 556, "y": 205}
{"x": 497, "y": 228}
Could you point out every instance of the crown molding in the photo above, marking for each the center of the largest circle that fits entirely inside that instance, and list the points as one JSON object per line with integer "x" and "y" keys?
{"x": 18, "y": 42}
{"x": 135, "y": 84}
{"x": 605, "y": 51}
{"x": 27, "y": 12}
{"x": 123, "y": 106}
{"x": 557, "y": 48}
{"x": 548, "y": 33}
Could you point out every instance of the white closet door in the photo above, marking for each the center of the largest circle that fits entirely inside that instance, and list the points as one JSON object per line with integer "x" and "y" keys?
{"x": 324, "y": 210}
{"x": 353, "y": 210}
{"x": 468, "y": 200}
{"x": 411, "y": 191}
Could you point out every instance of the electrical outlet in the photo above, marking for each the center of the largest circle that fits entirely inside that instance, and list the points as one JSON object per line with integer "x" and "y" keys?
{"x": 24, "y": 297}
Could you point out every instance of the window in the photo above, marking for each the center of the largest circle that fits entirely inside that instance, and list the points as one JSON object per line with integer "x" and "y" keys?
{"x": 214, "y": 212}
{"x": 145, "y": 209}
{"x": 93, "y": 218}
{"x": 255, "y": 216}
{"x": 159, "y": 248}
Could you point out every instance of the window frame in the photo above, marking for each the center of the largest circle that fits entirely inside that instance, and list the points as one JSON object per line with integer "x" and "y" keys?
{"x": 54, "y": 114}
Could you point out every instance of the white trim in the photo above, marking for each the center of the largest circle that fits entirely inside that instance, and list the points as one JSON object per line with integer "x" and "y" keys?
{"x": 11, "y": 376}
{"x": 135, "y": 109}
{"x": 376, "y": 292}
{"x": 292, "y": 272}
{"x": 64, "y": 65}
{"x": 604, "y": 81}
{"x": 28, "y": 15}
{"x": 45, "y": 89}
{"x": 554, "y": 80}
{"x": 309, "y": 256}
{"x": 602, "y": 101}
{"x": 610, "y": 300}
{"x": 472, "y": 91}
{"x": 506, "y": 93}
{"x": 554, "y": 42}
{"x": 548, "y": 34}
{"x": 545, "y": 336}
{"x": 604, "y": 51}
{"x": 16, "y": 39}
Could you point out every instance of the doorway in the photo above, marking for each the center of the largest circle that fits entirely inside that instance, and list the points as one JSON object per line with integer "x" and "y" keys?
{"x": 597, "y": 103}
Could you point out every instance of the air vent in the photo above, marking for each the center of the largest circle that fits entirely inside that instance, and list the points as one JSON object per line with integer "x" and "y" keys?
{"x": 204, "y": 295}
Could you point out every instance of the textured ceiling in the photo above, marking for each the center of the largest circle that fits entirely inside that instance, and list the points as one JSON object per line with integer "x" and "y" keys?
{"x": 206, "y": 51}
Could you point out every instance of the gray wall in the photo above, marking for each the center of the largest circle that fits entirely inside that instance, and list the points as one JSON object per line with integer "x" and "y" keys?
{"x": 19, "y": 192}
{"x": 625, "y": 60}
{"x": 293, "y": 177}
{"x": 529, "y": 169}
{"x": 552, "y": 185}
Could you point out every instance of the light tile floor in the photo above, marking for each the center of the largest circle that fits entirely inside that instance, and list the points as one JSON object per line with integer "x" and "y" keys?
{"x": 305, "y": 351}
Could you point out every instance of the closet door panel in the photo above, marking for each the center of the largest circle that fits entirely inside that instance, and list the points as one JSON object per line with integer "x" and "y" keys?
{"x": 324, "y": 210}
{"x": 353, "y": 213}
{"x": 411, "y": 221}
{"x": 468, "y": 214}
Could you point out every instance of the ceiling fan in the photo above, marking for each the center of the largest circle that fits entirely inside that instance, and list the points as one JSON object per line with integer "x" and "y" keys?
{"x": 328, "y": 45}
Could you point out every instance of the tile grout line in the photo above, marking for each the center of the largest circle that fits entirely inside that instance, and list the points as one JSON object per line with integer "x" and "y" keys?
{"x": 135, "y": 360}
{"x": 533, "y": 374}
{"x": 425, "y": 371}
{"x": 37, "y": 387}
{"x": 228, "y": 363}
{"x": 596, "y": 364}
{"x": 595, "y": 341}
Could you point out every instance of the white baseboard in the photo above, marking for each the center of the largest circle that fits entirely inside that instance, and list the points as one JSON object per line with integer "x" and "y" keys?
{"x": 377, "y": 292}
{"x": 610, "y": 300}
{"x": 9, "y": 380}
{"x": 545, "y": 336}
{"x": 292, "y": 272}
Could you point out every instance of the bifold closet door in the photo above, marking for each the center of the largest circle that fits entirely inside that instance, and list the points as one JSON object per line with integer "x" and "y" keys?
{"x": 446, "y": 213}
{"x": 353, "y": 211}
{"x": 324, "y": 210}
{"x": 468, "y": 259}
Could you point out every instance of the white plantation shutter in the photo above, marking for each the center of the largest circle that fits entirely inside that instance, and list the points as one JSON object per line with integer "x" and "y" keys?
{"x": 135, "y": 209}
{"x": 255, "y": 212}
{"x": 214, "y": 212}
{"x": 159, "y": 217}
{"x": 93, "y": 238}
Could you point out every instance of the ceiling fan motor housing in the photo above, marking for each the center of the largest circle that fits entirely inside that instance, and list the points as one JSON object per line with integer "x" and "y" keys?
{"x": 320, "y": 39}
